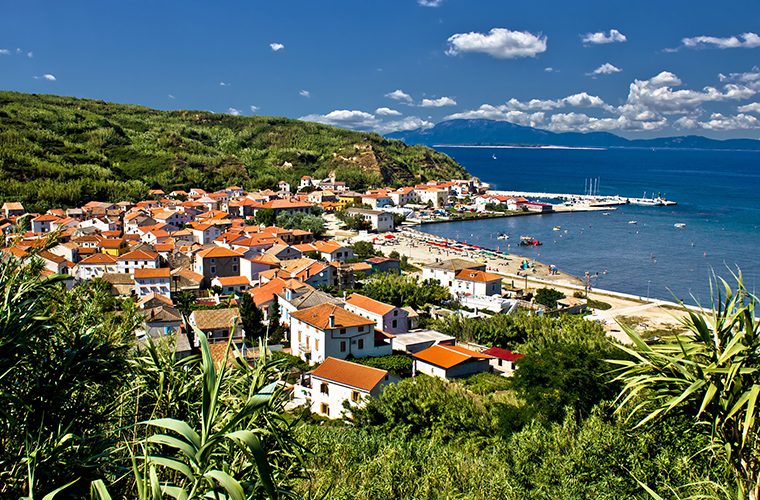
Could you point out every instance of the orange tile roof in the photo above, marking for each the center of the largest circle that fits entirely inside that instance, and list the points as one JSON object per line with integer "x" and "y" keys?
{"x": 350, "y": 374}
{"x": 447, "y": 356}
{"x": 111, "y": 243}
{"x": 99, "y": 258}
{"x": 368, "y": 304}
{"x": 319, "y": 317}
{"x": 327, "y": 246}
{"x": 161, "y": 272}
{"x": 217, "y": 251}
{"x": 477, "y": 276}
{"x": 139, "y": 255}
{"x": 233, "y": 280}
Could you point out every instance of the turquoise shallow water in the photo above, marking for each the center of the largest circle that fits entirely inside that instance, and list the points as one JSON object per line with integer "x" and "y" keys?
{"x": 718, "y": 195}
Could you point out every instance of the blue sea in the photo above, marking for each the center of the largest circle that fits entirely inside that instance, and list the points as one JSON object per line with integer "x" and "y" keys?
{"x": 718, "y": 195}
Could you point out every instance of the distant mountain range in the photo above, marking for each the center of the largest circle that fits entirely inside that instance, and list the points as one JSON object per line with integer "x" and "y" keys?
{"x": 493, "y": 133}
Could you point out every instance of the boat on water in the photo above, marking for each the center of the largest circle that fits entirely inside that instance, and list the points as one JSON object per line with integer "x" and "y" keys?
{"x": 529, "y": 241}
{"x": 493, "y": 157}
{"x": 502, "y": 236}
{"x": 557, "y": 228}
{"x": 633, "y": 222}
{"x": 679, "y": 225}
{"x": 605, "y": 213}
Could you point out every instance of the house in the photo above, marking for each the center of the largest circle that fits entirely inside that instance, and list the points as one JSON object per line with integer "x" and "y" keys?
{"x": 476, "y": 283}
{"x": 433, "y": 196}
{"x": 331, "y": 251}
{"x": 264, "y": 295}
{"x": 418, "y": 340}
{"x": 217, "y": 324}
{"x": 96, "y": 265}
{"x": 503, "y": 361}
{"x": 53, "y": 262}
{"x": 445, "y": 271}
{"x": 329, "y": 330}
{"x": 137, "y": 259}
{"x": 376, "y": 201}
{"x": 42, "y": 224}
{"x": 384, "y": 265}
{"x": 162, "y": 320}
{"x": 122, "y": 284}
{"x": 337, "y": 383}
{"x": 450, "y": 361}
{"x": 231, "y": 284}
{"x": 12, "y": 209}
{"x": 378, "y": 220}
{"x": 387, "y": 318}
{"x": 203, "y": 234}
{"x": 284, "y": 252}
{"x": 217, "y": 261}
{"x": 291, "y": 301}
{"x": 114, "y": 246}
{"x": 149, "y": 281}
{"x": 402, "y": 196}
{"x": 285, "y": 206}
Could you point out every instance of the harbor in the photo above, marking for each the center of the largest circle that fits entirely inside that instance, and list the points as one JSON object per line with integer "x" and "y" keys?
{"x": 593, "y": 200}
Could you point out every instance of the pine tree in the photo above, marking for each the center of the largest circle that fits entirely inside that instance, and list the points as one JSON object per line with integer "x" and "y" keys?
{"x": 276, "y": 331}
{"x": 251, "y": 317}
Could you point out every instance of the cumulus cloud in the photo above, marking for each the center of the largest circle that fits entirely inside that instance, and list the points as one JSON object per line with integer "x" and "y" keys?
{"x": 46, "y": 76}
{"x": 750, "y": 108}
{"x": 745, "y": 41}
{"x": 276, "y": 46}
{"x": 601, "y": 37}
{"x": 304, "y": 93}
{"x": 581, "y": 100}
{"x": 234, "y": 111}
{"x": 549, "y": 69}
{"x": 501, "y": 43}
{"x": 253, "y": 108}
{"x": 399, "y": 95}
{"x": 430, "y": 3}
{"x": 438, "y": 103}
{"x": 605, "y": 69}
{"x": 387, "y": 112}
{"x": 501, "y": 113}
{"x": 362, "y": 120}
{"x": 741, "y": 121}
{"x": 4, "y": 52}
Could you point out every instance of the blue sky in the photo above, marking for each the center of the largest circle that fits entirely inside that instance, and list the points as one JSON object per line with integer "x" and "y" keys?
{"x": 662, "y": 67}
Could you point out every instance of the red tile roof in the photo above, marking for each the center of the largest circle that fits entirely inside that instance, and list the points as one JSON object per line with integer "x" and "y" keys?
{"x": 349, "y": 374}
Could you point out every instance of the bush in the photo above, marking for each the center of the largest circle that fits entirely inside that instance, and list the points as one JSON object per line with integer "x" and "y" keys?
{"x": 398, "y": 364}
{"x": 548, "y": 297}
{"x": 486, "y": 383}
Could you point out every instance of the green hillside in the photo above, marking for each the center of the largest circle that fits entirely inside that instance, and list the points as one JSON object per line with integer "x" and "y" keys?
{"x": 62, "y": 151}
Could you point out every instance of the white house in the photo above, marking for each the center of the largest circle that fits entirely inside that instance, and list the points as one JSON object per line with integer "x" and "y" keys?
{"x": 437, "y": 197}
{"x": 137, "y": 259}
{"x": 335, "y": 382}
{"x": 450, "y": 361}
{"x": 295, "y": 300}
{"x": 387, "y": 318}
{"x": 329, "y": 330}
{"x": 96, "y": 265}
{"x": 231, "y": 284}
{"x": 378, "y": 220}
{"x": 476, "y": 283}
{"x": 156, "y": 281}
{"x": 444, "y": 272}
{"x": 504, "y": 361}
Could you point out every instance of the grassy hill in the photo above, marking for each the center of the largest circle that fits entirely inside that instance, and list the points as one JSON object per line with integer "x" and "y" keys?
{"x": 62, "y": 151}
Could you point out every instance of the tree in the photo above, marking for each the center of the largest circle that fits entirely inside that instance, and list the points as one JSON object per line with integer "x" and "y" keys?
{"x": 251, "y": 317}
{"x": 712, "y": 374}
{"x": 404, "y": 291}
{"x": 276, "y": 330}
{"x": 299, "y": 220}
{"x": 364, "y": 249}
{"x": 185, "y": 301}
{"x": 265, "y": 217}
{"x": 354, "y": 222}
{"x": 548, "y": 297}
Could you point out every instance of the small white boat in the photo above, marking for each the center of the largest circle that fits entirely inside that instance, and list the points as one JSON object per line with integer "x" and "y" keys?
{"x": 493, "y": 157}
{"x": 679, "y": 225}
{"x": 502, "y": 236}
{"x": 605, "y": 213}
{"x": 557, "y": 228}
{"x": 633, "y": 222}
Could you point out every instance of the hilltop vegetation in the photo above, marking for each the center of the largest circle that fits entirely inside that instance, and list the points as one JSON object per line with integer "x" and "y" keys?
{"x": 64, "y": 151}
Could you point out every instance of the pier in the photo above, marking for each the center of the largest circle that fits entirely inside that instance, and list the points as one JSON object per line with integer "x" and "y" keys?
{"x": 590, "y": 199}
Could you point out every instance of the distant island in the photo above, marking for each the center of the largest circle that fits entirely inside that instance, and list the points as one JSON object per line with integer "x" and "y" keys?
{"x": 500, "y": 133}
{"x": 63, "y": 151}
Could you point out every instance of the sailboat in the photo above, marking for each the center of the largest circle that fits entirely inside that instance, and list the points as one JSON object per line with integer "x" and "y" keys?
{"x": 493, "y": 157}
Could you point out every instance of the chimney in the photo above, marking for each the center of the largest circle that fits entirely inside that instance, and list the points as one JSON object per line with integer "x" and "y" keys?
{"x": 331, "y": 321}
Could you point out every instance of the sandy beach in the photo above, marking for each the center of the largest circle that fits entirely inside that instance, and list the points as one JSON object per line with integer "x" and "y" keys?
{"x": 646, "y": 316}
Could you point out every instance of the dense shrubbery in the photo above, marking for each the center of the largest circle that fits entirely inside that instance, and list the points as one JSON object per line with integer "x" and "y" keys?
{"x": 402, "y": 291}
{"x": 63, "y": 151}
{"x": 399, "y": 364}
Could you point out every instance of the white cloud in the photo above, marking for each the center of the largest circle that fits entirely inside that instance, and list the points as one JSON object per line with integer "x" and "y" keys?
{"x": 605, "y": 69}
{"x": 399, "y": 95}
{"x": 253, "y": 108}
{"x": 430, "y": 3}
{"x": 224, "y": 84}
{"x": 600, "y": 37}
{"x": 745, "y": 40}
{"x": 549, "y": 69}
{"x": 234, "y": 111}
{"x": 4, "y": 52}
{"x": 171, "y": 96}
{"x": 741, "y": 121}
{"x": 501, "y": 113}
{"x": 304, "y": 93}
{"x": 46, "y": 76}
{"x": 30, "y": 54}
{"x": 276, "y": 46}
{"x": 438, "y": 103}
{"x": 361, "y": 120}
{"x": 501, "y": 43}
{"x": 581, "y": 100}
{"x": 387, "y": 112}
{"x": 750, "y": 108}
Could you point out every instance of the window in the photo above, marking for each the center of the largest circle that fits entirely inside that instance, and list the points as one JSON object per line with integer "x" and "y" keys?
{"x": 360, "y": 344}
{"x": 342, "y": 346}
{"x": 234, "y": 269}
{"x": 213, "y": 269}
{"x": 324, "y": 409}
{"x": 213, "y": 261}
{"x": 324, "y": 389}
{"x": 316, "y": 344}
{"x": 355, "y": 396}
{"x": 342, "y": 331}
{"x": 361, "y": 328}
{"x": 394, "y": 323}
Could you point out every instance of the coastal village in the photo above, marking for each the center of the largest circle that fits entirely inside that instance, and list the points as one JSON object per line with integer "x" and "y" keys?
{"x": 188, "y": 258}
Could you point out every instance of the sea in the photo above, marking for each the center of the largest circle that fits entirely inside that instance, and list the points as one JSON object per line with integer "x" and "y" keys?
{"x": 718, "y": 196}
